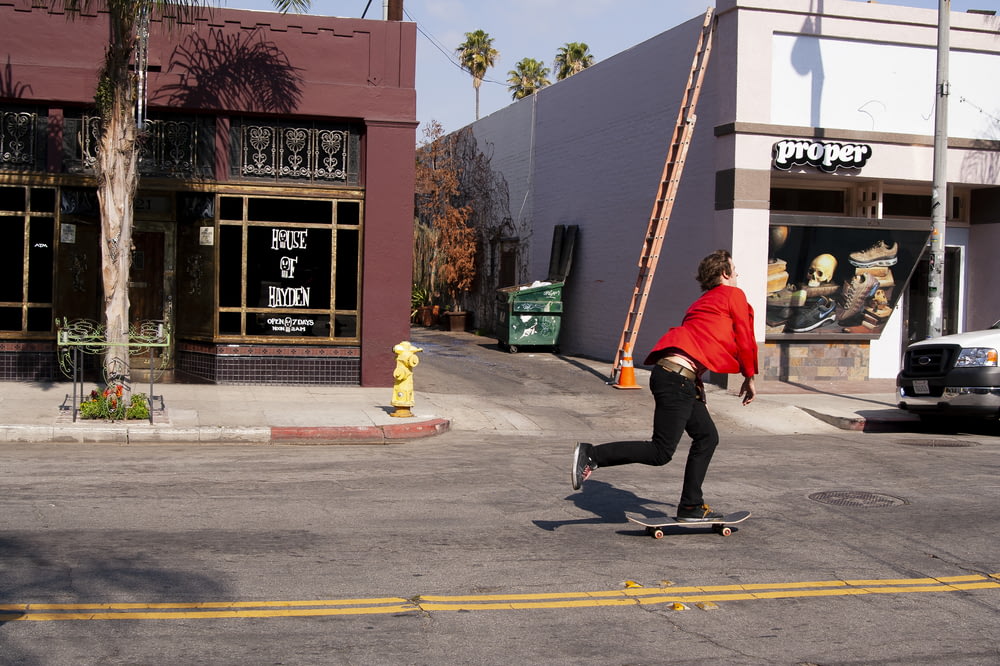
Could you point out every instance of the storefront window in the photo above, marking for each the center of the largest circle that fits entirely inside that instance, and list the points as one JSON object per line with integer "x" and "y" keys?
{"x": 915, "y": 205}
{"x": 289, "y": 267}
{"x": 829, "y": 277}
{"x": 792, "y": 200}
{"x": 27, "y": 220}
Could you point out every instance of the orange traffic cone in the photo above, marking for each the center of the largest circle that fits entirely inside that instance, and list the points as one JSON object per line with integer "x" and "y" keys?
{"x": 626, "y": 376}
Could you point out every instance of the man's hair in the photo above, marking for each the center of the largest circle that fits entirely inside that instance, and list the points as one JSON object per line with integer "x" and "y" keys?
{"x": 712, "y": 268}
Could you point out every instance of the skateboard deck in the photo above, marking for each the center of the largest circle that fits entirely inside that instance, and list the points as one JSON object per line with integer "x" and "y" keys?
{"x": 654, "y": 524}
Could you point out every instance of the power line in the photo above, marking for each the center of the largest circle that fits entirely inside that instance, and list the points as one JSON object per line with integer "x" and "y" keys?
{"x": 437, "y": 44}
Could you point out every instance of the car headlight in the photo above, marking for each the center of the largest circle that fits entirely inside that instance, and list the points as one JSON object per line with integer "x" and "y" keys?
{"x": 977, "y": 357}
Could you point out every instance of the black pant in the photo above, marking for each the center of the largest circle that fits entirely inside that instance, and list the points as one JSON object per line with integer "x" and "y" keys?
{"x": 678, "y": 410}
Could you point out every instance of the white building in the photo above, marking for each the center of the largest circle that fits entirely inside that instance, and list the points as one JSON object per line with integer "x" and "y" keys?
{"x": 845, "y": 79}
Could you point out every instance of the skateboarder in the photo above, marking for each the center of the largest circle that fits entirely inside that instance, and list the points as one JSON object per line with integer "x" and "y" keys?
{"x": 716, "y": 334}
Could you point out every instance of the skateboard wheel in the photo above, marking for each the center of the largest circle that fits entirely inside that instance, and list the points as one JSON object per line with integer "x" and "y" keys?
{"x": 725, "y": 531}
{"x": 657, "y": 534}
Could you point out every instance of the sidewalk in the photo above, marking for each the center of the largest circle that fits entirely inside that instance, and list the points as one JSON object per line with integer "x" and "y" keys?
{"x": 203, "y": 413}
{"x": 863, "y": 406}
{"x": 199, "y": 413}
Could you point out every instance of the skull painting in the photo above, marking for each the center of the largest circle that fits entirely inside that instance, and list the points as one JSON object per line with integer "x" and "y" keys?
{"x": 821, "y": 270}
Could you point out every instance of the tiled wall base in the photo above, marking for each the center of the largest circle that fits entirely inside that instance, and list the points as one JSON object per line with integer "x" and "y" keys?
{"x": 270, "y": 364}
{"x": 810, "y": 362}
{"x": 25, "y": 366}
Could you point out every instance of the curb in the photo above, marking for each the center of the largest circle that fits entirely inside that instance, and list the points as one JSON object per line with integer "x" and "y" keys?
{"x": 139, "y": 434}
{"x": 860, "y": 423}
{"x": 359, "y": 434}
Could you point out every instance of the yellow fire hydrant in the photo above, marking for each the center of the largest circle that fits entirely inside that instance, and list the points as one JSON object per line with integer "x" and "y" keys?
{"x": 402, "y": 388}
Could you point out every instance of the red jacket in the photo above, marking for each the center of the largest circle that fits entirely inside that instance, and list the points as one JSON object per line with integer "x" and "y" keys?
{"x": 717, "y": 332}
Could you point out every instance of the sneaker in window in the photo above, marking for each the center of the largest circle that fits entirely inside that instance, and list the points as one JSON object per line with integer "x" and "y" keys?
{"x": 814, "y": 316}
{"x": 583, "y": 466}
{"x": 854, "y": 296}
{"x": 697, "y": 514}
{"x": 878, "y": 254}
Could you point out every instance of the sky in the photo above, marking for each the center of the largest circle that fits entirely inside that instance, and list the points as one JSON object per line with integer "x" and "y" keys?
{"x": 524, "y": 29}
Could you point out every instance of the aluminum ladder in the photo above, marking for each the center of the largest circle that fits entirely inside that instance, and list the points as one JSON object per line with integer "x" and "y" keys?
{"x": 673, "y": 166}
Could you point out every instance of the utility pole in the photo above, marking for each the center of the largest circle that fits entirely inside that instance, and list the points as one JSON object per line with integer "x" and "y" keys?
{"x": 939, "y": 188}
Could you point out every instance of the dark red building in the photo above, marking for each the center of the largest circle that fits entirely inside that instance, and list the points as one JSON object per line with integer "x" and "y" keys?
{"x": 273, "y": 222}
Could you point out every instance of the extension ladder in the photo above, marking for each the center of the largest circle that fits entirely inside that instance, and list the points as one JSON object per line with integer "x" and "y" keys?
{"x": 672, "y": 168}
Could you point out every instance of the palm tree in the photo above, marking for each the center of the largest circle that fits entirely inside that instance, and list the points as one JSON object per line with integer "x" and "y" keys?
{"x": 572, "y": 58}
{"x": 476, "y": 55}
{"x": 528, "y": 77}
{"x": 116, "y": 168}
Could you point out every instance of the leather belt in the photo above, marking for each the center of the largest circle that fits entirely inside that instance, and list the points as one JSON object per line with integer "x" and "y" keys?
{"x": 670, "y": 366}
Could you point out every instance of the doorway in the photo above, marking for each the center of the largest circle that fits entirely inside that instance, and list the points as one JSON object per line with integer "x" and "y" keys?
{"x": 917, "y": 294}
{"x": 151, "y": 288}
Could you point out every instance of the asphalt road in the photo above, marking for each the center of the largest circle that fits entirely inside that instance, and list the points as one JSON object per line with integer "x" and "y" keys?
{"x": 471, "y": 548}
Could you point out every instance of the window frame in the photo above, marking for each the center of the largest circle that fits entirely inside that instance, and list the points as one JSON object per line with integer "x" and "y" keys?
{"x": 25, "y": 304}
{"x": 245, "y": 310}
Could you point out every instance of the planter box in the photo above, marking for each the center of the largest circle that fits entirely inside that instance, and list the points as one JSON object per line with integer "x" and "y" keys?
{"x": 455, "y": 321}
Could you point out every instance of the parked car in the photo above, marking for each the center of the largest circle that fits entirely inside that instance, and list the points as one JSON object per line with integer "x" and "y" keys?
{"x": 954, "y": 375}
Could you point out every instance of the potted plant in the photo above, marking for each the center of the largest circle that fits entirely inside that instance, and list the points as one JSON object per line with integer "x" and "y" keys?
{"x": 421, "y": 310}
{"x": 457, "y": 320}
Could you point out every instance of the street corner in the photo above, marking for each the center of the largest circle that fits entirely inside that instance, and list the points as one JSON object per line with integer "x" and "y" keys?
{"x": 879, "y": 420}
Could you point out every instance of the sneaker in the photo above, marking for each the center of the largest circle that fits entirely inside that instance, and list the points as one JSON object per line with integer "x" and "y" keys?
{"x": 814, "y": 316}
{"x": 583, "y": 466}
{"x": 878, "y": 254}
{"x": 696, "y": 514}
{"x": 855, "y": 295}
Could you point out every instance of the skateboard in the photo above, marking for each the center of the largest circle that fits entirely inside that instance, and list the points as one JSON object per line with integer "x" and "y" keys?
{"x": 654, "y": 525}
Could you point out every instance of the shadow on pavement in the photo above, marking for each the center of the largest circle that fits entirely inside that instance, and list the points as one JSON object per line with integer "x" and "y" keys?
{"x": 607, "y": 503}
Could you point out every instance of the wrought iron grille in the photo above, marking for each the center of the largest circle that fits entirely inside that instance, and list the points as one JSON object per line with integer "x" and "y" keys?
{"x": 304, "y": 153}
{"x": 178, "y": 148}
{"x": 18, "y": 138}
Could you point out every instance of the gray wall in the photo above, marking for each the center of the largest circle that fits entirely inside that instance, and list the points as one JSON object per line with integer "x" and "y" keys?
{"x": 596, "y": 143}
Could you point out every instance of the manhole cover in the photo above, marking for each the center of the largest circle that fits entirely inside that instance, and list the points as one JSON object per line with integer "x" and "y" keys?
{"x": 858, "y": 499}
{"x": 945, "y": 443}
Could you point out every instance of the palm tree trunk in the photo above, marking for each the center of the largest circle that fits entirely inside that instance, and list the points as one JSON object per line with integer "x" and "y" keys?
{"x": 117, "y": 171}
{"x": 117, "y": 183}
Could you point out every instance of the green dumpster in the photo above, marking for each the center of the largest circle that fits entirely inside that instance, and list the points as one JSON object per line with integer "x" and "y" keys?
{"x": 529, "y": 314}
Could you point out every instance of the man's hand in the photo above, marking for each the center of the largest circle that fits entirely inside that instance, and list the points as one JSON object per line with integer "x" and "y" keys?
{"x": 748, "y": 392}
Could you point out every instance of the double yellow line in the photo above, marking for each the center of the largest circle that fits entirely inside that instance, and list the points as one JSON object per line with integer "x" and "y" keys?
{"x": 630, "y": 596}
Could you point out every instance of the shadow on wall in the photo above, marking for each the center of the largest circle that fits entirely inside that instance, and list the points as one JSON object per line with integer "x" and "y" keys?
{"x": 983, "y": 164}
{"x": 807, "y": 59}
{"x": 242, "y": 72}
{"x": 10, "y": 88}
{"x": 502, "y": 249}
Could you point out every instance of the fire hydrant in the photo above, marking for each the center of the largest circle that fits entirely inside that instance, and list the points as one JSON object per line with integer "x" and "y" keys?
{"x": 402, "y": 389}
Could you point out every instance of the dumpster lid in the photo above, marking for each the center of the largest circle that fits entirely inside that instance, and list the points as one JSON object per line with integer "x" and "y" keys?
{"x": 537, "y": 284}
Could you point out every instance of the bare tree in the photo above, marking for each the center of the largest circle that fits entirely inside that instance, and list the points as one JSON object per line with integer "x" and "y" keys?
{"x": 447, "y": 223}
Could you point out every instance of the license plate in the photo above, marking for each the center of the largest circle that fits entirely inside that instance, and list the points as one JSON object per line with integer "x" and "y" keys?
{"x": 921, "y": 387}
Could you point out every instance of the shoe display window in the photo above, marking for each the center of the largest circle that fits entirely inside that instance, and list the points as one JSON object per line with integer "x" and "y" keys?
{"x": 836, "y": 277}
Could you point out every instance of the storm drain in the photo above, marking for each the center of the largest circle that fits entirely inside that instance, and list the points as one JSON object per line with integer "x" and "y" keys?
{"x": 944, "y": 443}
{"x": 857, "y": 499}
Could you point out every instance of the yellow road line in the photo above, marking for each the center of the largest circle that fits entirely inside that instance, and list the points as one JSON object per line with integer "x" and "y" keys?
{"x": 47, "y": 612}
{"x": 205, "y": 604}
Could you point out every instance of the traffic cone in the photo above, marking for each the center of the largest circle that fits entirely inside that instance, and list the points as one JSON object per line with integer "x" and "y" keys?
{"x": 626, "y": 376}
